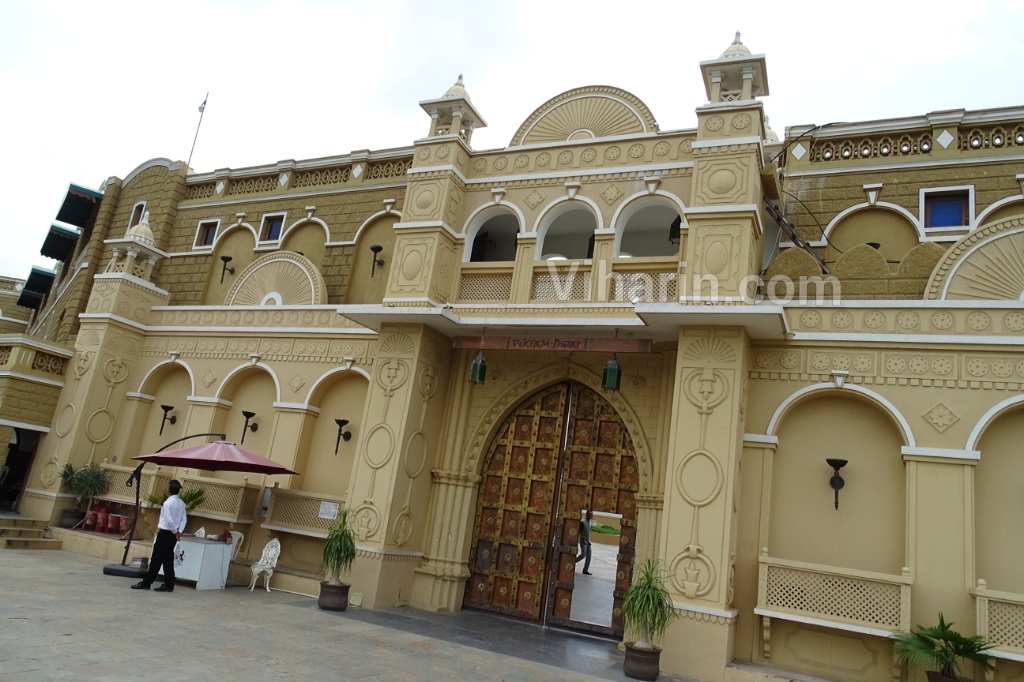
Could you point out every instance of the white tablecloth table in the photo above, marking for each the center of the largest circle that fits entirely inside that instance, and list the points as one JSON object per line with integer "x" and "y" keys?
{"x": 201, "y": 560}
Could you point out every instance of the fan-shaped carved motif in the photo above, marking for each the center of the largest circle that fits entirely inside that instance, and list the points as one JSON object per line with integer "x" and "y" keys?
{"x": 595, "y": 111}
{"x": 282, "y": 278}
{"x": 709, "y": 351}
{"x": 987, "y": 264}
{"x": 397, "y": 344}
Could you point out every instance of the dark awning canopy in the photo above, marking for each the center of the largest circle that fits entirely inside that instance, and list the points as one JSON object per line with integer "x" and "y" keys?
{"x": 38, "y": 283}
{"x": 59, "y": 243}
{"x": 78, "y": 205}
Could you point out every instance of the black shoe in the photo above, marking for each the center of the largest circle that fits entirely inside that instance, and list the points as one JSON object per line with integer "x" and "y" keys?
{"x": 140, "y": 586}
{"x": 584, "y": 573}
{"x": 164, "y": 588}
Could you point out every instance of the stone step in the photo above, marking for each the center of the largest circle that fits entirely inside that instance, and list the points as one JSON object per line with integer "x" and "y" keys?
{"x": 20, "y": 532}
{"x": 29, "y": 543}
{"x": 19, "y": 522}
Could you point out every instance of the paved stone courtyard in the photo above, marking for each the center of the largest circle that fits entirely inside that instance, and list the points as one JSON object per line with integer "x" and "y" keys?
{"x": 62, "y": 619}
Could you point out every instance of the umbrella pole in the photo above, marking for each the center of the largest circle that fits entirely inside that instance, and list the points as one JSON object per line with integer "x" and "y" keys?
{"x": 137, "y": 477}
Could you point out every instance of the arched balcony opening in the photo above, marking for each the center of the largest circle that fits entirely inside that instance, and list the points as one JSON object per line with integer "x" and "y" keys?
{"x": 570, "y": 236}
{"x": 649, "y": 232}
{"x": 495, "y": 241}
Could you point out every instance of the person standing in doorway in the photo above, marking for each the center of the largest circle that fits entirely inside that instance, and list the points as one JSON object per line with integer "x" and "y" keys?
{"x": 170, "y": 526}
{"x": 585, "y": 524}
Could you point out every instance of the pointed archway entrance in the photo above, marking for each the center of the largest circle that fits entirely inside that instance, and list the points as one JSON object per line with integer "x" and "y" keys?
{"x": 562, "y": 450}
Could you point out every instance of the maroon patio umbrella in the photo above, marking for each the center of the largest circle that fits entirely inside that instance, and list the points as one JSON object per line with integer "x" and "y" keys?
{"x": 217, "y": 456}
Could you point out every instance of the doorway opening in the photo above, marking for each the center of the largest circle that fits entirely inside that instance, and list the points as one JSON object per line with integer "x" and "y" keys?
{"x": 562, "y": 451}
{"x": 16, "y": 467}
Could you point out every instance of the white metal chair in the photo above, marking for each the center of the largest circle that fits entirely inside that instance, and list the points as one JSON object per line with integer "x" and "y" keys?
{"x": 200, "y": 532}
{"x": 237, "y": 537}
{"x": 266, "y": 564}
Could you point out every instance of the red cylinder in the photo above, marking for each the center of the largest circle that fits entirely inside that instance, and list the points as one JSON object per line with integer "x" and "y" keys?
{"x": 90, "y": 519}
{"x": 126, "y": 523}
{"x": 101, "y": 521}
{"x": 113, "y": 523}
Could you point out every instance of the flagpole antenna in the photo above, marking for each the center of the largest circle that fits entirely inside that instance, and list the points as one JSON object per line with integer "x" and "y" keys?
{"x": 202, "y": 108}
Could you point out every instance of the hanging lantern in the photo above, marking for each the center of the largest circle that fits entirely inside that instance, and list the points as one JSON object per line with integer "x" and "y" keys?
{"x": 478, "y": 370}
{"x": 674, "y": 229}
{"x": 611, "y": 378}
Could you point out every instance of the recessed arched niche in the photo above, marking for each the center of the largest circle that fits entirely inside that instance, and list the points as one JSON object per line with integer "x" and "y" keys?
{"x": 885, "y": 230}
{"x": 998, "y": 481}
{"x": 169, "y": 385}
{"x": 326, "y": 464}
{"x": 367, "y": 283}
{"x": 236, "y": 245}
{"x": 569, "y": 236}
{"x": 496, "y": 239}
{"x": 646, "y": 229}
{"x": 308, "y": 239}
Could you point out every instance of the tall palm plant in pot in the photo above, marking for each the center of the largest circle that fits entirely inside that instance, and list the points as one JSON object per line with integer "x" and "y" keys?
{"x": 338, "y": 555}
{"x": 647, "y": 609}
{"x": 84, "y": 483}
{"x": 941, "y": 647}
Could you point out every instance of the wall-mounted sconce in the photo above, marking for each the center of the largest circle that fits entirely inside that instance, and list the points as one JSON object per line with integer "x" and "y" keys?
{"x": 173, "y": 420}
{"x": 248, "y": 427}
{"x": 836, "y": 481}
{"x": 225, "y": 260}
{"x": 376, "y": 262}
{"x": 342, "y": 433}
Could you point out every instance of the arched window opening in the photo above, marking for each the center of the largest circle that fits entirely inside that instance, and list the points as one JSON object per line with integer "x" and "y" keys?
{"x": 571, "y": 236}
{"x": 648, "y": 232}
{"x": 496, "y": 240}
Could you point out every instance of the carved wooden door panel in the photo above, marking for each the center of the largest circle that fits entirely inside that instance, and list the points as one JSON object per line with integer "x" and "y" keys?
{"x": 600, "y": 473}
{"x": 508, "y": 561}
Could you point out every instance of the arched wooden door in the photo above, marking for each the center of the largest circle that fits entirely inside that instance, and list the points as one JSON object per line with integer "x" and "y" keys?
{"x": 564, "y": 449}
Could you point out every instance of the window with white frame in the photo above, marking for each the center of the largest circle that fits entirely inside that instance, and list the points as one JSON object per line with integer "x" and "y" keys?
{"x": 272, "y": 226}
{"x": 137, "y": 212}
{"x": 207, "y": 233}
{"x": 947, "y": 208}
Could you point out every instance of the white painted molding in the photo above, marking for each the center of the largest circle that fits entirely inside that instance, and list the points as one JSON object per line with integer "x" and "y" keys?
{"x": 947, "y": 453}
{"x": 25, "y": 425}
{"x": 881, "y": 401}
{"x": 19, "y": 340}
{"x": 726, "y": 142}
{"x": 333, "y": 372}
{"x": 296, "y": 407}
{"x": 140, "y": 396}
{"x": 207, "y": 400}
{"x": 821, "y": 622}
{"x": 248, "y": 365}
{"x": 173, "y": 361}
{"x": 993, "y": 413}
{"x": 758, "y": 438}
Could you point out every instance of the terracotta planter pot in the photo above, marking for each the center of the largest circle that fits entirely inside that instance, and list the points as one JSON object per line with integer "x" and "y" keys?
{"x": 642, "y": 664}
{"x": 333, "y": 597}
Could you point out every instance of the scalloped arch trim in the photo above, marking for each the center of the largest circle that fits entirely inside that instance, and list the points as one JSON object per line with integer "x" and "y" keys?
{"x": 593, "y": 111}
{"x": 281, "y": 278}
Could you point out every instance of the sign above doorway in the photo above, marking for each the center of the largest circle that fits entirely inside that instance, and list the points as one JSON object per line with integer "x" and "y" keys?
{"x": 553, "y": 344}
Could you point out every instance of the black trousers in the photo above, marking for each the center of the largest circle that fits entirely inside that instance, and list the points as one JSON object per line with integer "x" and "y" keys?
{"x": 163, "y": 555}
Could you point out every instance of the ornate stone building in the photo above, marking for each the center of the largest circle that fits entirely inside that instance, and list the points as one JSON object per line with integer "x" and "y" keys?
{"x": 674, "y": 328}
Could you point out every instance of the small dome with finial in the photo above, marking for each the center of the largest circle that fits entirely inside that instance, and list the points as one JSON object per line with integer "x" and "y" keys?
{"x": 141, "y": 232}
{"x": 737, "y": 50}
{"x": 457, "y": 90}
{"x": 769, "y": 134}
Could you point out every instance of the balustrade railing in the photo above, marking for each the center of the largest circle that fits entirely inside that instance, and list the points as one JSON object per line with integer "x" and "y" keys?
{"x": 1000, "y": 621}
{"x": 302, "y": 513}
{"x": 843, "y": 598}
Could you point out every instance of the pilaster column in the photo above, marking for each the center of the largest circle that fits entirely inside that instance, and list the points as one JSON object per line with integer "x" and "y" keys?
{"x": 698, "y": 534}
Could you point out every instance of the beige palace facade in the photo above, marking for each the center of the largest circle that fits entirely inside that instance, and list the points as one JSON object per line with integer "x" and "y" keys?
{"x": 850, "y": 292}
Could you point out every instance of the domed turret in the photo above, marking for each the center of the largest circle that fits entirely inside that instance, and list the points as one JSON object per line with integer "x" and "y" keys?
{"x": 769, "y": 134}
{"x": 736, "y": 75}
{"x": 737, "y": 50}
{"x": 142, "y": 232}
{"x": 453, "y": 113}
{"x": 457, "y": 90}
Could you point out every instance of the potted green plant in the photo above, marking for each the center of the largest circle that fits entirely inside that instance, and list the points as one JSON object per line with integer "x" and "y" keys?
{"x": 941, "y": 647}
{"x": 193, "y": 497}
{"x": 84, "y": 483}
{"x": 647, "y": 609}
{"x": 339, "y": 553}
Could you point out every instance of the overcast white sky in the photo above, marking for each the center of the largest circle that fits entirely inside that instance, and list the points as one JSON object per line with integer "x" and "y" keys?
{"x": 93, "y": 89}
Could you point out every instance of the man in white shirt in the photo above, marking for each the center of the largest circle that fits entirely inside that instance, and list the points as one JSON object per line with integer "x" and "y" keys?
{"x": 170, "y": 527}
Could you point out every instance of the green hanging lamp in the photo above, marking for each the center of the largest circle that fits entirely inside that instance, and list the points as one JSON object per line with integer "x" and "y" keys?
{"x": 675, "y": 229}
{"x": 478, "y": 370}
{"x": 611, "y": 378}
